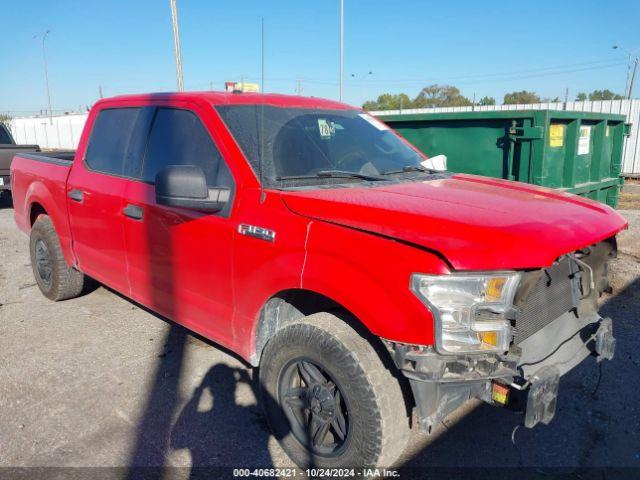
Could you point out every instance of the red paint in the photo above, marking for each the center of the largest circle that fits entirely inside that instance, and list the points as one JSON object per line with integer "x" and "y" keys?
{"x": 477, "y": 223}
{"x": 343, "y": 243}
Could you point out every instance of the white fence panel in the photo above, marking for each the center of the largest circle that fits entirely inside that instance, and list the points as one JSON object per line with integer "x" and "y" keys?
{"x": 629, "y": 108}
{"x": 61, "y": 132}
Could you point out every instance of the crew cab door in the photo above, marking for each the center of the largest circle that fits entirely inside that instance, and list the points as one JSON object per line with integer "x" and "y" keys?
{"x": 95, "y": 187}
{"x": 179, "y": 260}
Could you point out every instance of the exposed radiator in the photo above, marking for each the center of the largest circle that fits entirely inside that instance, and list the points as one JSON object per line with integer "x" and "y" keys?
{"x": 551, "y": 296}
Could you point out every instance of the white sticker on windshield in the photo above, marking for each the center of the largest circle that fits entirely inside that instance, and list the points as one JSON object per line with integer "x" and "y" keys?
{"x": 327, "y": 130}
{"x": 373, "y": 121}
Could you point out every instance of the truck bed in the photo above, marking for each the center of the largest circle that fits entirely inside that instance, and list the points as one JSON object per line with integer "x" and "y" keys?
{"x": 64, "y": 158}
{"x": 41, "y": 179}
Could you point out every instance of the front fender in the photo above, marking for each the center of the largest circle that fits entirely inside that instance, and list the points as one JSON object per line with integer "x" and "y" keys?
{"x": 369, "y": 275}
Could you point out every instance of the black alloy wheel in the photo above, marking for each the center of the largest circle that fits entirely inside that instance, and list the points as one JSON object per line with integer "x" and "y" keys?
{"x": 315, "y": 406}
{"x": 44, "y": 266}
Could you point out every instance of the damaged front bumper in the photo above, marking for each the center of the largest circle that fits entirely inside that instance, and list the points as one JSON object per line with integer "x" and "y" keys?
{"x": 529, "y": 373}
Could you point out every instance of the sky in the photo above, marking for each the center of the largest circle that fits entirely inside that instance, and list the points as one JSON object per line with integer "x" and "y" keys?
{"x": 483, "y": 47}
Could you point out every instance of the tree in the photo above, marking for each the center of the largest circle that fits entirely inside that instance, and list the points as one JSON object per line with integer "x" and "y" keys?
{"x": 5, "y": 120}
{"x": 605, "y": 94}
{"x": 389, "y": 101}
{"x": 521, "y": 97}
{"x": 487, "y": 101}
{"x": 440, "y": 96}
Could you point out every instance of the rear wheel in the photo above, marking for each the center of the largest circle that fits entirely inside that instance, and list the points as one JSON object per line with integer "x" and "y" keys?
{"x": 56, "y": 280}
{"x": 328, "y": 397}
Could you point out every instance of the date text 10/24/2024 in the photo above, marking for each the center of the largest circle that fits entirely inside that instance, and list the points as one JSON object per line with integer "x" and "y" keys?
{"x": 316, "y": 473}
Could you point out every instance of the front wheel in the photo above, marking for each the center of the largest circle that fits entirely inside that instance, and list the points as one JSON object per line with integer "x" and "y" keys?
{"x": 328, "y": 397}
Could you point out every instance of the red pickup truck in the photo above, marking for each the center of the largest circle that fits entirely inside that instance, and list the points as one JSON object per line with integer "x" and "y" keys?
{"x": 373, "y": 293}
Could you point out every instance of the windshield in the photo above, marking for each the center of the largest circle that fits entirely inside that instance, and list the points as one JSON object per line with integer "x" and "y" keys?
{"x": 302, "y": 144}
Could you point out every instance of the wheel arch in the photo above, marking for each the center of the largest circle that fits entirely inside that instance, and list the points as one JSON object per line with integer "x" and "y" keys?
{"x": 291, "y": 305}
{"x": 38, "y": 201}
{"x": 35, "y": 210}
{"x": 287, "y": 306}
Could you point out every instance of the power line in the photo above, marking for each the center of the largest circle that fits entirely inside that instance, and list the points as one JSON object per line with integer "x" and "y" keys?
{"x": 603, "y": 62}
{"x": 472, "y": 79}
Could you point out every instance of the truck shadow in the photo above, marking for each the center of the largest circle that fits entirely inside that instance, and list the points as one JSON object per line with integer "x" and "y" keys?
{"x": 221, "y": 430}
{"x": 217, "y": 427}
{"x": 155, "y": 422}
{"x": 218, "y": 430}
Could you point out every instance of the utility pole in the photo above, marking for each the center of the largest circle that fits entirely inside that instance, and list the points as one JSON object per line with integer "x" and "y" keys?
{"x": 262, "y": 89}
{"x": 633, "y": 76}
{"x": 100, "y": 91}
{"x": 299, "y": 89}
{"x": 176, "y": 44}
{"x": 46, "y": 75}
{"x": 341, "y": 48}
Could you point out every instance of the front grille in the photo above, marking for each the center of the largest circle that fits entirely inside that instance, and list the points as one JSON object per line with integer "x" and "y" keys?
{"x": 550, "y": 296}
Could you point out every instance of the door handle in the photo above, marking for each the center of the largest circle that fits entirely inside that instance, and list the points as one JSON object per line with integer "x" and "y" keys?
{"x": 76, "y": 195}
{"x": 133, "y": 211}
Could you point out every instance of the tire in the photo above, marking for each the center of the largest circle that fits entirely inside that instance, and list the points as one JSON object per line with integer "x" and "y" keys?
{"x": 56, "y": 280}
{"x": 374, "y": 423}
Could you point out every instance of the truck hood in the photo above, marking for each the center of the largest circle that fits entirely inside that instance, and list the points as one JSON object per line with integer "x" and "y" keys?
{"x": 476, "y": 223}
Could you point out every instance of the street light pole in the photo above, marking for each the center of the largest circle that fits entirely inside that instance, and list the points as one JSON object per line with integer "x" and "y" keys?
{"x": 176, "y": 44}
{"x": 626, "y": 84}
{"x": 46, "y": 76}
{"x": 628, "y": 89}
{"x": 633, "y": 76}
{"x": 341, "y": 48}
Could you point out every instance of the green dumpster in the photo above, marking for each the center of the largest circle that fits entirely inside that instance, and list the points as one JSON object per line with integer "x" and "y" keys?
{"x": 580, "y": 152}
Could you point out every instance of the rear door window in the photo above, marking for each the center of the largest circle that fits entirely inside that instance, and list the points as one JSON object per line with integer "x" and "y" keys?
{"x": 111, "y": 147}
{"x": 178, "y": 137}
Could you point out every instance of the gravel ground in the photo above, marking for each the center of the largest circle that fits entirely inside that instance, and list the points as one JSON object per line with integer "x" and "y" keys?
{"x": 99, "y": 381}
{"x": 630, "y": 195}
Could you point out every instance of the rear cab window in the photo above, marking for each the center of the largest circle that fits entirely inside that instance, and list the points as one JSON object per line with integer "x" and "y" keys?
{"x": 112, "y": 145}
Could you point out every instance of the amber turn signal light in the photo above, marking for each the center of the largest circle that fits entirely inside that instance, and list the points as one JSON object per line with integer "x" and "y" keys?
{"x": 499, "y": 393}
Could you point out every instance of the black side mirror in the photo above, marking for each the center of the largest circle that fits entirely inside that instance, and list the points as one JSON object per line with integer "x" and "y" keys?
{"x": 185, "y": 186}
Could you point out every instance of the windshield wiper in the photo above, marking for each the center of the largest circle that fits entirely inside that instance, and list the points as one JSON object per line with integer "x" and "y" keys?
{"x": 408, "y": 168}
{"x": 333, "y": 174}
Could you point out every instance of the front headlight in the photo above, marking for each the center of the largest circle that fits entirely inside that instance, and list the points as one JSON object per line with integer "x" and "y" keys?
{"x": 469, "y": 309}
